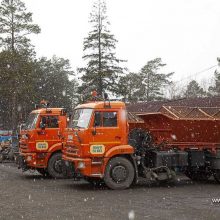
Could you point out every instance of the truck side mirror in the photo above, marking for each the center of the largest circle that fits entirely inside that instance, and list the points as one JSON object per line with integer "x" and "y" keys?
{"x": 43, "y": 123}
{"x": 97, "y": 122}
{"x": 94, "y": 131}
{"x": 42, "y": 126}
{"x": 94, "y": 128}
{"x": 22, "y": 127}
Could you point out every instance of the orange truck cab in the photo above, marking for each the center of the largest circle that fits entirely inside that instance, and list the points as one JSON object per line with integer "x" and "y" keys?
{"x": 98, "y": 132}
{"x": 40, "y": 142}
{"x": 103, "y": 146}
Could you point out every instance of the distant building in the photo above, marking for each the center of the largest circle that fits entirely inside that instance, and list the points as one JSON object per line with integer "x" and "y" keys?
{"x": 154, "y": 106}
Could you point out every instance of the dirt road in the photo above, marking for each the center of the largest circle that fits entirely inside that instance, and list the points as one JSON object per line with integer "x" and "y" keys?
{"x": 29, "y": 196}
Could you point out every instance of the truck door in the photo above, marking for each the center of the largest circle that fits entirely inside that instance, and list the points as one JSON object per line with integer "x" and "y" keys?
{"x": 106, "y": 131}
{"x": 48, "y": 132}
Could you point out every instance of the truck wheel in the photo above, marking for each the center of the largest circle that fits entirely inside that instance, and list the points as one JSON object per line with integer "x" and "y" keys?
{"x": 119, "y": 173}
{"x": 55, "y": 166}
{"x": 11, "y": 155}
{"x": 217, "y": 175}
{"x": 1, "y": 157}
{"x": 43, "y": 172}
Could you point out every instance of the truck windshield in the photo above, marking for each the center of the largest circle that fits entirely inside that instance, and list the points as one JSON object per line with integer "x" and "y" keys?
{"x": 31, "y": 121}
{"x": 81, "y": 118}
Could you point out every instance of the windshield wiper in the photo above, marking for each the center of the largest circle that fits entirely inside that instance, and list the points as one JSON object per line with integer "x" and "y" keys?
{"x": 77, "y": 135}
{"x": 76, "y": 126}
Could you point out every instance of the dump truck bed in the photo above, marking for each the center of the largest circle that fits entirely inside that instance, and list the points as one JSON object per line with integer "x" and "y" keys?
{"x": 176, "y": 125}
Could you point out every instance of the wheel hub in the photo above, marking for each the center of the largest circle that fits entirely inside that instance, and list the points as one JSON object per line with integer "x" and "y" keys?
{"x": 58, "y": 166}
{"x": 119, "y": 173}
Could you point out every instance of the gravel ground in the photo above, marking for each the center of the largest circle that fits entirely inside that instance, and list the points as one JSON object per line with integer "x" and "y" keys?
{"x": 29, "y": 196}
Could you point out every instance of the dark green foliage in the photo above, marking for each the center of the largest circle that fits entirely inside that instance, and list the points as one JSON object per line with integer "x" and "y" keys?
{"x": 147, "y": 85}
{"x": 24, "y": 80}
{"x": 16, "y": 59}
{"x": 215, "y": 90}
{"x": 153, "y": 81}
{"x": 194, "y": 90}
{"x": 129, "y": 87}
{"x": 24, "y": 83}
{"x": 102, "y": 71}
{"x": 16, "y": 87}
{"x": 53, "y": 84}
{"x": 15, "y": 26}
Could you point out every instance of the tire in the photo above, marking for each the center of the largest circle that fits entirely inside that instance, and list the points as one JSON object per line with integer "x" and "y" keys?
{"x": 1, "y": 157}
{"x": 11, "y": 155}
{"x": 119, "y": 173}
{"x": 217, "y": 175}
{"x": 43, "y": 172}
{"x": 55, "y": 166}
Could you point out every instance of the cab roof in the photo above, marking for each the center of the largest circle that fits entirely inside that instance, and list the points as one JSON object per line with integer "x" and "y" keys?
{"x": 102, "y": 105}
{"x": 47, "y": 110}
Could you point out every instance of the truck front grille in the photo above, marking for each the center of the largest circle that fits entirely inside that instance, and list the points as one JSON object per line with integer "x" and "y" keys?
{"x": 71, "y": 151}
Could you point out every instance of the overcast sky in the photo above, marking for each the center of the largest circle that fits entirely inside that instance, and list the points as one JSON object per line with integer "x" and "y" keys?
{"x": 184, "y": 33}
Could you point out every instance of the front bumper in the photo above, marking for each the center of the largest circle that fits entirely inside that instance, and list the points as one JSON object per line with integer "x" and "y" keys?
{"x": 68, "y": 169}
{"x": 33, "y": 160}
{"x": 78, "y": 162}
{"x": 86, "y": 166}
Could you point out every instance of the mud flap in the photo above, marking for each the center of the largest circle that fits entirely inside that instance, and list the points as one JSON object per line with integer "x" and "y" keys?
{"x": 21, "y": 163}
{"x": 68, "y": 170}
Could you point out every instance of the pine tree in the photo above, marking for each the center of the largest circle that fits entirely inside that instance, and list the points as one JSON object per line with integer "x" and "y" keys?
{"x": 215, "y": 90}
{"x": 129, "y": 86}
{"x": 194, "y": 90}
{"x": 102, "y": 71}
{"x": 52, "y": 82}
{"x": 152, "y": 81}
{"x": 16, "y": 87}
{"x": 33, "y": 81}
{"x": 15, "y": 25}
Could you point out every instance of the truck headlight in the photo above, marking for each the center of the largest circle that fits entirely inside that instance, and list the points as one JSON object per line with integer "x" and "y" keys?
{"x": 29, "y": 158}
{"x": 81, "y": 165}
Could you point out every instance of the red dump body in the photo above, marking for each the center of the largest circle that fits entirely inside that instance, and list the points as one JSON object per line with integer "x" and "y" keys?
{"x": 184, "y": 127}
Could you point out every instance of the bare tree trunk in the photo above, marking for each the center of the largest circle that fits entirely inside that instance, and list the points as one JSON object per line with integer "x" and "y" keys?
{"x": 12, "y": 28}
{"x": 14, "y": 113}
{"x": 148, "y": 85}
{"x": 100, "y": 87}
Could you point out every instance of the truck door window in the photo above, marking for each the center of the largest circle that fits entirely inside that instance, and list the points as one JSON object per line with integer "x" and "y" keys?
{"x": 105, "y": 119}
{"x": 98, "y": 119}
{"x": 109, "y": 119}
{"x": 50, "y": 121}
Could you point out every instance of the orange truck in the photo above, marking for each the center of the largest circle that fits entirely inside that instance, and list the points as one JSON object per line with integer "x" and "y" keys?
{"x": 105, "y": 144}
{"x": 40, "y": 143}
